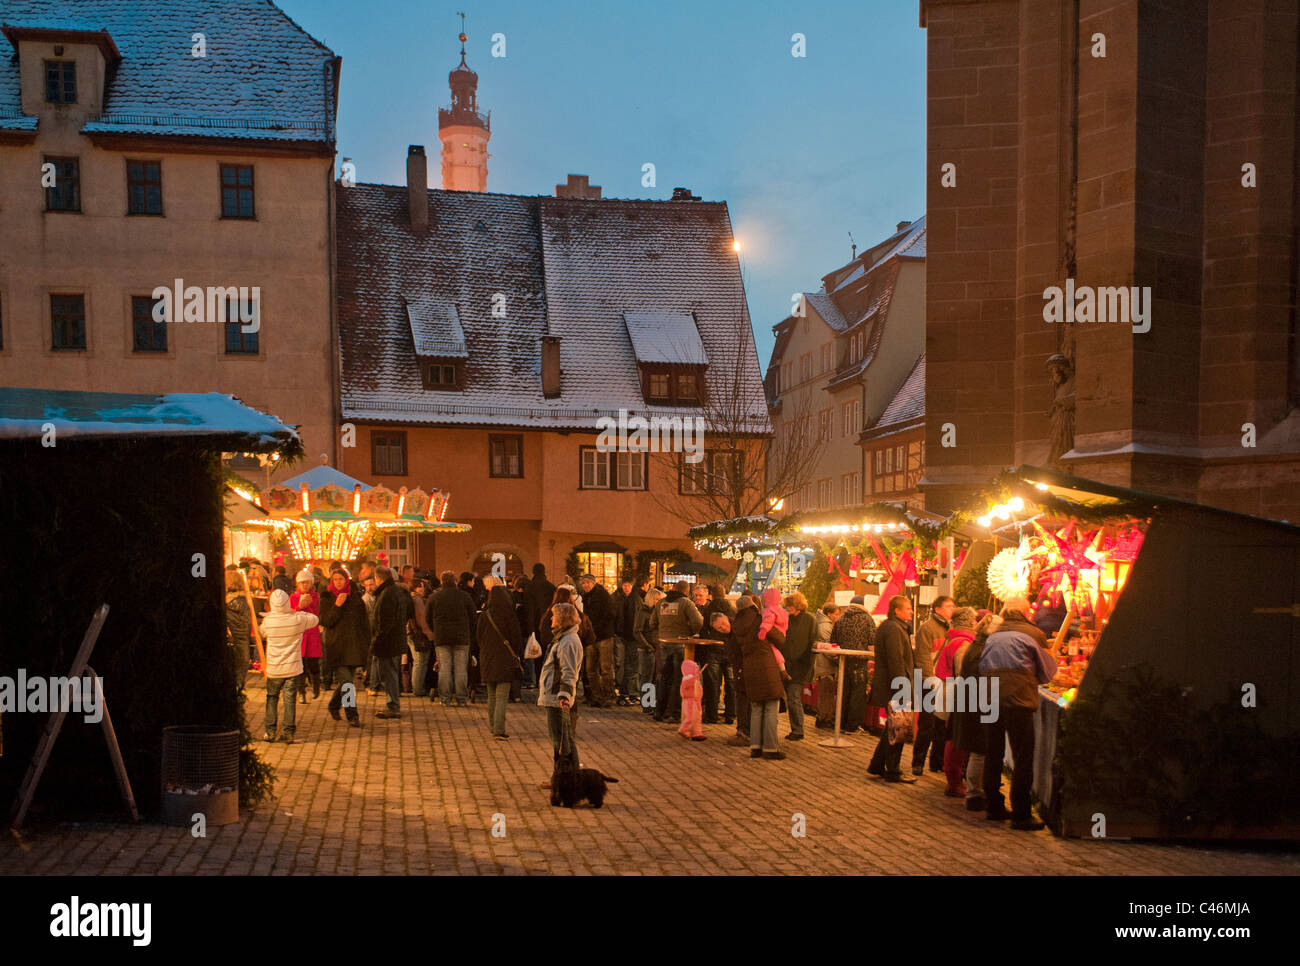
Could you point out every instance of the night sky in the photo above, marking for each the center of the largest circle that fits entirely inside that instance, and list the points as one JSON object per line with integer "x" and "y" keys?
{"x": 803, "y": 150}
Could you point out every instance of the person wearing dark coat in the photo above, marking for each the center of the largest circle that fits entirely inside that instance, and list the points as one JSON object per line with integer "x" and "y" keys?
{"x": 388, "y": 638}
{"x": 854, "y": 631}
{"x": 894, "y": 659}
{"x": 239, "y": 623}
{"x": 541, "y": 593}
{"x": 967, "y": 729}
{"x": 798, "y": 653}
{"x": 625, "y": 657}
{"x": 347, "y": 633}
{"x": 523, "y": 608}
{"x": 599, "y": 662}
{"x": 450, "y": 613}
{"x": 717, "y": 673}
{"x": 500, "y": 647}
{"x": 764, "y": 685}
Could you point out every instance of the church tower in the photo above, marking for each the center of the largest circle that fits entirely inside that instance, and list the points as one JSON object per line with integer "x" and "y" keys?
{"x": 464, "y": 132}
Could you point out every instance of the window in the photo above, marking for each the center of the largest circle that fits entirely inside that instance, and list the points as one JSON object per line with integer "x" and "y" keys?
{"x": 880, "y": 463}
{"x": 787, "y": 377}
{"x": 716, "y": 473}
{"x": 686, "y": 386}
{"x": 672, "y": 385}
{"x": 68, "y": 321}
{"x": 659, "y": 385}
{"x": 825, "y": 492}
{"x": 850, "y": 415}
{"x": 607, "y": 568}
{"x": 388, "y": 453}
{"x": 239, "y": 342}
{"x": 898, "y": 457}
{"x": 856, "y": 487}
{"x": 595, "y": 469}
{"x": 889, "y": 460}
{"x": 143, "y": 187}
{"x": 236, "y": 191}
{"x": 855, "y": 413}
{"x": 827, "y": 357}
{"x": 441, "y": 375}
{"x": 398, "y": 548}
{"x": 65, "y": 193}
{"x": 507, "y": 455}
{"x": 805, "y": 366}
{"x": 825, "y": 424}
{"x": 612, "y": 471}
{"x": 61, "y": 81}
{"x": 2, "y": 325}
{"x": 146, "y": 334}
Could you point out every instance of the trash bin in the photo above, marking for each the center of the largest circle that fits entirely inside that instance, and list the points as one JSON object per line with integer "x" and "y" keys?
{"x": 200, "y": 773}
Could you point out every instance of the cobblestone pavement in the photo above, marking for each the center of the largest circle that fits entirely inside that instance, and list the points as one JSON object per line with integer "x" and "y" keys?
{"x": 419, "y": 795}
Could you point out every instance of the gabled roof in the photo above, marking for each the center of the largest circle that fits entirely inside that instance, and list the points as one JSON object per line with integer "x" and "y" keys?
{"x": 665, "y": 337}
{"x": 568, "y": 268}
{"x": 906, "y": 409}
{"x": 435, "y": 329}
{"x": 827, "y": 309}
{"x": 263, "y": 77}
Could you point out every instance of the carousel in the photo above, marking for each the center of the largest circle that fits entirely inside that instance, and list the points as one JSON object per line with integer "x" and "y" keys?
{"x": 325, "y": 515}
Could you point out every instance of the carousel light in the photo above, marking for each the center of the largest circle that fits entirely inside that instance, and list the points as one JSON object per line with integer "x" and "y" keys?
{"x": 1016, "y": 505}
{"x": 401, "y": 501}
{"x": 356, "y": 499}
{"x": 1040, "y": 486}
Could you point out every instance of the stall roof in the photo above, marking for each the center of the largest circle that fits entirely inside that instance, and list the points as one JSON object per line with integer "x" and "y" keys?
{"x": 1089, "y": 495}
{"x": 213, "y": 418}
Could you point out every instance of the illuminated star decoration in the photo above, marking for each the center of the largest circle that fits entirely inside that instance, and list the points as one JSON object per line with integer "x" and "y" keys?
{"x": 1073, "y": 558}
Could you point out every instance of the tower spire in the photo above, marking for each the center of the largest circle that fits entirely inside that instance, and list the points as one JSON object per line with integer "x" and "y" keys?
{"x": 463, "y": 37}
{"x": 464, "y": 131}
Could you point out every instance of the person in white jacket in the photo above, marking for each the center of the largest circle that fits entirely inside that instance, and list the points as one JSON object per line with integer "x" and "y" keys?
{"x": 282, "y": 628}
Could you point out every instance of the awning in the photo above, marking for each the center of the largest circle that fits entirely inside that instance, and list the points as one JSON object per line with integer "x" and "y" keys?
{"x": 598, "y": 546}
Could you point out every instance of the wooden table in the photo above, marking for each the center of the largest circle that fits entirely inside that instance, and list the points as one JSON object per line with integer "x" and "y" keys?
{"x": 841, "y": 653}
{"x": 690, "y": 643}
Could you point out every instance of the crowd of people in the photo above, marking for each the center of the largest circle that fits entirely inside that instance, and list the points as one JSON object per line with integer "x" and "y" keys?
{"x": 458, "y": 640}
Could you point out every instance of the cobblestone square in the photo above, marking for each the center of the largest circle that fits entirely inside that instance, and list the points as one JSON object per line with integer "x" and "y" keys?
{"x": 420, "y": 795}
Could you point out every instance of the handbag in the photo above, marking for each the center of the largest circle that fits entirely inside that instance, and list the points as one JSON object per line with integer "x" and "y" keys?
{"x": 898, "y": 726}
{"x": 532, "y": 649}
{"x": 518, "y": 664}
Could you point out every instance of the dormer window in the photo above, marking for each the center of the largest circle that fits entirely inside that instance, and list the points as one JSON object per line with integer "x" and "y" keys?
{"x": 439, "y": 344}
{"x": 670, "y": 357}
{"x": 61, "y": 81}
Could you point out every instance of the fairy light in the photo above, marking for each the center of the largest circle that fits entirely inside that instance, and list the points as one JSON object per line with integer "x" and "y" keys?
{"x": 306, "y": 500}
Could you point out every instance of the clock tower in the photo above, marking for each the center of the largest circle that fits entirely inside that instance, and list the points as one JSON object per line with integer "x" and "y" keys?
{"x": 464, "y": 132}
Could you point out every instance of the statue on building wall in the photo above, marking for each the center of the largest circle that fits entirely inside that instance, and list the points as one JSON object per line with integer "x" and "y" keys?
{"x": 1061, "y": 433}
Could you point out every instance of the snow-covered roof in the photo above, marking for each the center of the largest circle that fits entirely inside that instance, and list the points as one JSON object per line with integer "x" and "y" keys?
{"x": 435, "y": 329}
{"x": 262, "y": 77}
{"x": 28, "y": 414}
{"x": 665, "y": 337}
{"x": 567, "y": 268}
{"x": 908, "y": 404}
{"x": 828, "y": 310}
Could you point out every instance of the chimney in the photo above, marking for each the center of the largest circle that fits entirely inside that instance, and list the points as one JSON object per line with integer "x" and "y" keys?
{"x": 684, "y": 194}
{"x": 902, "y": 225}
{"x": 577, "y": 187}
{"x": 551, "y": 366}
{"x": 417, "y": 188}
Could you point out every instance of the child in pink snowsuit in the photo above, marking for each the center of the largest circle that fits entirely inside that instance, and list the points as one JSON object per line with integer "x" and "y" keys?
{"x": 774, "y": 615}
{"x": 692, "y": 693}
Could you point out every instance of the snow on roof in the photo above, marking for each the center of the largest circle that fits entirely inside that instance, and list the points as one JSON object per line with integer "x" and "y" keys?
{"x": 908, "y": 242}
{"x": 27, "y": 414}
{"x": 262, "y": 77}
{"x": 827, "y": 309}
{"x": 323, "y": 475}
{"x": 568, "y": 268}
{"x": 908, "y": 404}
{"x": 435, "y": 329}
{"x": 665, "y": 337}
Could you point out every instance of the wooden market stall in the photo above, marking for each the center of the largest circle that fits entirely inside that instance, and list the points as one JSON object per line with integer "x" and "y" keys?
{"x": 1177, "y": 707}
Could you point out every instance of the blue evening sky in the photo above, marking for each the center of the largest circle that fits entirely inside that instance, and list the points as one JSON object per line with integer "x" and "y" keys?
{"x": 803, "y": 150}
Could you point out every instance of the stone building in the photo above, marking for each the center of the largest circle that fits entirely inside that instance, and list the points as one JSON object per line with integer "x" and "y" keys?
{"x": 134, "y": 155}
{"x": 1141, "y": 156}
{"x": 837, "y": 364}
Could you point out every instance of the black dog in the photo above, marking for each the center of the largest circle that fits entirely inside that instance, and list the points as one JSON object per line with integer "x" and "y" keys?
{"x": 570, "y": 785}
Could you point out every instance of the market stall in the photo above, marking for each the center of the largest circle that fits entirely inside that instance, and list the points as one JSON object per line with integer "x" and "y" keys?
{"x": 1174, "y": 711}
